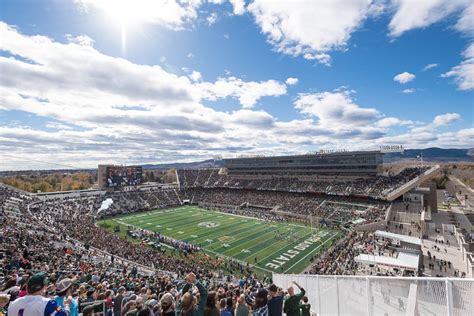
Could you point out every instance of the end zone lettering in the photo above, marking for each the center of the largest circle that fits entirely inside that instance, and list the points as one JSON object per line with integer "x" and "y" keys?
{"x": 290, "y": 254}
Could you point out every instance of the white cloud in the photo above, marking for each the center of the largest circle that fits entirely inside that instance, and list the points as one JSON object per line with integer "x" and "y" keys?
{"x": 392, "y": 121}
{"x": 408, "y": 91}
{"x": 438, "y": 121}
{"x": 81, "y": 40}
{"x": 322, "y": 58}
{"x": 310, "y": 29}
{"x": 239, "y": 6}
{"x": 465, "y": 23}
{"x": 291, "y": 81}
{"x": 430, "y": 66}
{"x": 172, "y": 14}
{"x": 211, "y": 19}
{"x": 195, "y": 76}
{"x": 258, "y": 119}
{"x": 445, "y": 119}
{"x": 335, "y": 108}
{"x": 248, "y": 93}
{"x": 190, "y": 55}
{"x": 60, "y": 126}
{"x": 404, "y": 77}
{"x": 412, "y": 14}
{"x": 107, "y": 109}
{"x": 463, "y": 138}
{"x": 464, "y": 72}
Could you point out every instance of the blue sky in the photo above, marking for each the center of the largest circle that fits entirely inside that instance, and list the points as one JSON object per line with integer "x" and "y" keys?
{"x": 86, "y": 82}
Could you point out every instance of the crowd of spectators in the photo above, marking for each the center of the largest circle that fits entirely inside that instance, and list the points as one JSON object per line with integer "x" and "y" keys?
{"x": 293, "y": 204}
{"x": 375, "y": 187}
{"x": 59, "y": 238}
{"x": 47, "y": 268}
{"x": 74, "y": 219}
{"x": 340, "y": 259}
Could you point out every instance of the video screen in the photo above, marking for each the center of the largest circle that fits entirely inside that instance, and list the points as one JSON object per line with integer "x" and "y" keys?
{"x": 118, "y": 176}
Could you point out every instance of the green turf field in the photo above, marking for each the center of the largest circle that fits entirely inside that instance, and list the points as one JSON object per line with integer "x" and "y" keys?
{"x": 278, "y": 247}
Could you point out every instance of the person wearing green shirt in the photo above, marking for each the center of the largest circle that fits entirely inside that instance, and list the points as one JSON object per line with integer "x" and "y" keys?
{"x": 292, "y": 303}
{"x": 187, "y": 305}
{"x": 305, "y": 307}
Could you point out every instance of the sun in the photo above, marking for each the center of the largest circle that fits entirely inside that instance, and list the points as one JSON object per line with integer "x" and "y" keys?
{"x": 120, "y": 10}
{"x": 126, "y": 14}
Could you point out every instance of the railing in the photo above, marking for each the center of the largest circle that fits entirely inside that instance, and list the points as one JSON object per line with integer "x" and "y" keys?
{"x": 373, "y": 295}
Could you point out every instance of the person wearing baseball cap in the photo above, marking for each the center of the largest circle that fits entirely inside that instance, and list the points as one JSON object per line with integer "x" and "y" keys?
{"x": 64, "y": 296}
{"x": 260, "y": 307}
{"x": 34, "y": 303}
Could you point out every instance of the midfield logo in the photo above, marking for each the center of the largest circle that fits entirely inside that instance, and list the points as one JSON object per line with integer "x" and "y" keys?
{"x": 208, "y": 224}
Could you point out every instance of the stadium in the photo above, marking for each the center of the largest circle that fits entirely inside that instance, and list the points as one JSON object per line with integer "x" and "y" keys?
{"x": 236, "y": 158}
{"x": 249, "y": 223}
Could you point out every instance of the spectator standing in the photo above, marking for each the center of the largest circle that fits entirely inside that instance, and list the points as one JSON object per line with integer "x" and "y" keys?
{"x": 211, "y": 309}
{"x": 167, "y": 305}
{"x": 305, "y": 307}
{"x": 242, "y": 309}
{"x": 64, "y": 296}
{"x": 138, "y": 307}
{"x": 34, "y": 303}
{"x": 4, "y": 299}
{"x": 260, "y": 305}
{"x": 275, "y": 303}
{"x": 187, "y": 305}
{"x": 292, "y": 303}
{"x": 230, "y": 305}
{"x": 223, "y": 308}
{"x": 118, "y": 301}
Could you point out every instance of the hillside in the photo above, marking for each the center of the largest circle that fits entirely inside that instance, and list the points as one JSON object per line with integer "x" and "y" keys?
{"x": 433, "y": 154}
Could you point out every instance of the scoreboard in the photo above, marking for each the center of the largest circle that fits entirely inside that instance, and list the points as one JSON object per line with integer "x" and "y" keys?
{"x": 119, "y": 176}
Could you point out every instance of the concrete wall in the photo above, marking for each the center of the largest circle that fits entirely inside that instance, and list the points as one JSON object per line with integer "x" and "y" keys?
{"x": 431, "y": 199}
{"x": 371, "y": 227}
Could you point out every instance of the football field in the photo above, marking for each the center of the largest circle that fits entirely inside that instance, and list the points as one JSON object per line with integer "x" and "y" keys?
{"x": 270, "y": 246}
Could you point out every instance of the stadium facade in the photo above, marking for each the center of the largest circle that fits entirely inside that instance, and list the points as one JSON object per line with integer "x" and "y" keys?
{"x": 353, "y": 164}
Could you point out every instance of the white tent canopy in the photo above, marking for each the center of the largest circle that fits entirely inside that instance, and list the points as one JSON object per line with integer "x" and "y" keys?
{"x": 404, "y": 260}
{"x": 399, "y": 237}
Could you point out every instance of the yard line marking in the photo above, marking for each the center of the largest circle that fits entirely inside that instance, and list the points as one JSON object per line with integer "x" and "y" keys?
{"x": 233, "y": 259}
{"x": 287, "y": 245}
{"x": 329, "y": 239}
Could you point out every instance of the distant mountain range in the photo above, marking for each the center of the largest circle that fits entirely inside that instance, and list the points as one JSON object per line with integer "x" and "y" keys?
{"x": 433, "y": 154}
